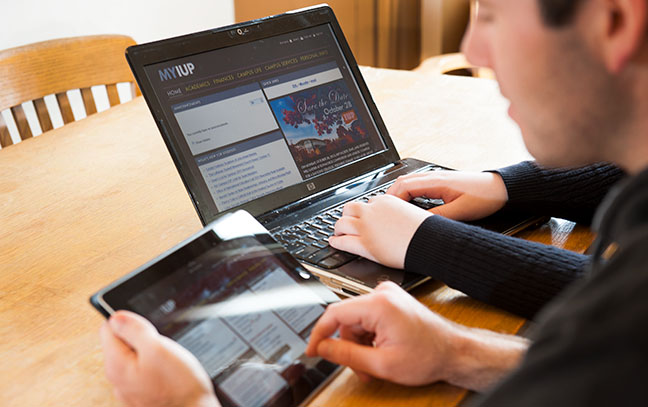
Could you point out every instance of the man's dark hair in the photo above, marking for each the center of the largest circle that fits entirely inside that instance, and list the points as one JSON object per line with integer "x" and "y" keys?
{"x": 556, "y": 13}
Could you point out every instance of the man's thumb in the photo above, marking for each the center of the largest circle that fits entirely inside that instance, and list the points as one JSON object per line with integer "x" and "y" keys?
{"x": 452, "y": 210}
{"x": 133, "y": 329}
{"x": 358, "y": 357}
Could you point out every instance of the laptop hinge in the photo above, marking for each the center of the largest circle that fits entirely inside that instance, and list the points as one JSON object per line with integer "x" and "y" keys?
{"x": 393, "y": 167}
{"x": 338, "y": 189}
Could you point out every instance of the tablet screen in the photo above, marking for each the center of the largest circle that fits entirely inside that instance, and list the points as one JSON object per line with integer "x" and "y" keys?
{"x": 243, "y": 308}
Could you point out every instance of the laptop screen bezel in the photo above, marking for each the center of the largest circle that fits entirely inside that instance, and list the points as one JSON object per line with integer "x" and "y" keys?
{"x": 140, "y": 56}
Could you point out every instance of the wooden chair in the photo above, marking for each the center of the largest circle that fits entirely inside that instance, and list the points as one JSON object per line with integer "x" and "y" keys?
{"x": 455, "y": 63}
{"x": 31, "y": 72}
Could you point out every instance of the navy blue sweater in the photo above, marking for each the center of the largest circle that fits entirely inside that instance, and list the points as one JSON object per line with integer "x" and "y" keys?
{"x": 513, "y": 274}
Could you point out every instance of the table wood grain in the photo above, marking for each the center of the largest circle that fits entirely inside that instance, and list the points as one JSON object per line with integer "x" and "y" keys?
{"x": 86, "y": 203}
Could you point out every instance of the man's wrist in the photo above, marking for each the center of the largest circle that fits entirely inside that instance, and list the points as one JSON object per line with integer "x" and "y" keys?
{"x": 480, "y": 358}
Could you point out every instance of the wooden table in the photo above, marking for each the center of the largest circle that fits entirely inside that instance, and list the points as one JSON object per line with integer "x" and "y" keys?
{"x": 84, "y": 204}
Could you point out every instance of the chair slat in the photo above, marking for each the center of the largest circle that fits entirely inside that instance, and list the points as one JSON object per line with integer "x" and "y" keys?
{"x": 66, "y": 109}
{"x": 113, "y": 95}
{"x": 21, "y": 122}
{"x": 31, "y": 72}
{"x": 5, "y": 137}
{"x": 88, "y": 101}
{"x": 43, "y": 115}
{"x": 133, "y": 90}
{"x": 56, "y": 66}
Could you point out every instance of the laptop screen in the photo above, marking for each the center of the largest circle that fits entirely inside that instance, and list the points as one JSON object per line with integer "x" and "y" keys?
{"x": 256, "y": 118}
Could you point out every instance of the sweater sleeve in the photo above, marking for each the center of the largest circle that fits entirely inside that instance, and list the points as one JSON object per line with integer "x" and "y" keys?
{"x": 569, "y": 193}
{"x": 514, "y": 274}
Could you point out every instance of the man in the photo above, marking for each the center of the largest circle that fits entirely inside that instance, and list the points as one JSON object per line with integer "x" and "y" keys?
{"x": 576, "y": 73}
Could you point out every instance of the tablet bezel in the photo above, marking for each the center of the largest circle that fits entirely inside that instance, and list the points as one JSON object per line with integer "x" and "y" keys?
{"x": 231, "y": 226}
{"x": 156, "y": 269}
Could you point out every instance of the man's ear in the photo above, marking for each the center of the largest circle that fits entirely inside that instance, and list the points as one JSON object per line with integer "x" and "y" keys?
{"x": 624, "y": 31}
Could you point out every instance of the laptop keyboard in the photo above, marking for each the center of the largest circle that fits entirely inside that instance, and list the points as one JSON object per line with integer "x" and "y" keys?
{"x": 308, "y": 240}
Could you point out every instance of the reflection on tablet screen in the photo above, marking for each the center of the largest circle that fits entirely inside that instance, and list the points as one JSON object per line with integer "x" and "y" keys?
{"x": 247, "y": 316}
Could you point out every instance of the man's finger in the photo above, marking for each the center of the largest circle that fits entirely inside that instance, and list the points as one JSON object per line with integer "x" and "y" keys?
{"x": 456, "y": 210}
{"x": 133, "y": 329}
{"x": 404, "y": 178}
{"x": 364, "y": 378}
{"x": 389, "y": 286}
{"x": 347, "y": 225}
{"x": 360, "y": 358}
{"x": 112, "y": 344}
{"x": 352, "y": 209}
{"x": 119, "y": 396}
{"x": 353, "y": 311}
{"x": 413, "y": 188}
{"x": 357, "y": 334}
{"x": 399, "y": 188}
{"x": 117, "y": 355}
{"x": 350, "y": 243}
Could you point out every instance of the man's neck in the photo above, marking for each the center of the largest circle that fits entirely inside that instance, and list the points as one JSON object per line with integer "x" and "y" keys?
{"x": 635, "y": 167}
{"x": 632, "y": 147}
{"x": 632, "y": 150}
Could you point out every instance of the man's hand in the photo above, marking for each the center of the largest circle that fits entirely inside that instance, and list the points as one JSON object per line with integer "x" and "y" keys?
{"x": 379, "y": 230}
{"x": 467, "y": 195}
{"x": 387, "y": 334}
{"x": 148, "y": 369}
{"x": 390, "y": 335}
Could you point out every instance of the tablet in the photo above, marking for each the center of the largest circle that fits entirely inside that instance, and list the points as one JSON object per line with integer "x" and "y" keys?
{"x": 241, "y": 304}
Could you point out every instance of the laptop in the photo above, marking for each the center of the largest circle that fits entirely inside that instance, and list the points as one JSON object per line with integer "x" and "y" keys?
{"x": 272, "y": 116}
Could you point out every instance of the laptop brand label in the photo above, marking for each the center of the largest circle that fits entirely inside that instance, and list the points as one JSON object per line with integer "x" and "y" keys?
{"x": 176, "y": 71}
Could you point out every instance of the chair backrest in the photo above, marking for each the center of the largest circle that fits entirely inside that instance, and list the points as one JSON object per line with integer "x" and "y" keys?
{"x": 31, "y": 72}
